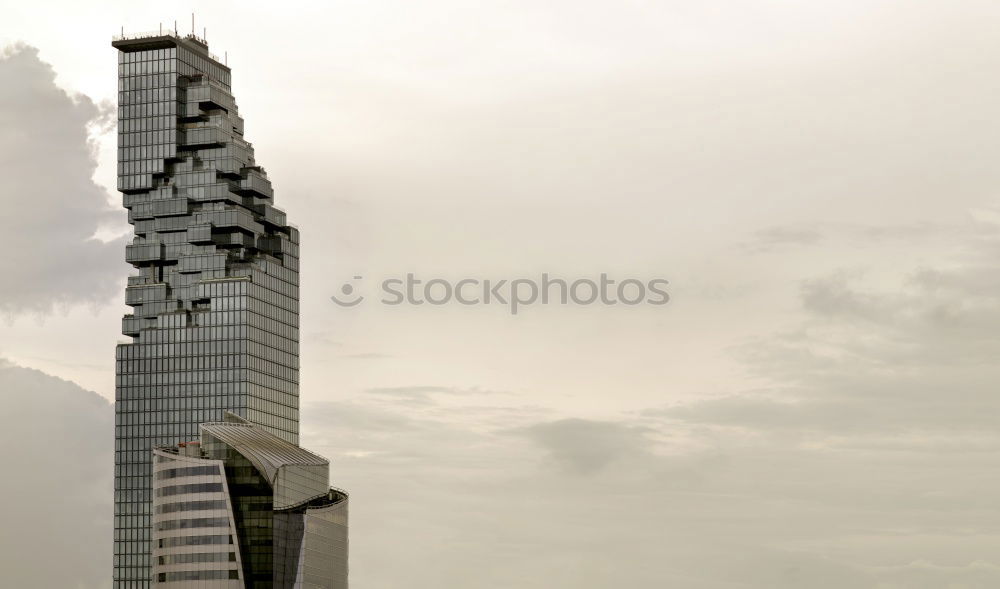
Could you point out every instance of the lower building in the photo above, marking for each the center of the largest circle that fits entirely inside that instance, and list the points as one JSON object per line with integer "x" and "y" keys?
{"x": 242, "y": 508}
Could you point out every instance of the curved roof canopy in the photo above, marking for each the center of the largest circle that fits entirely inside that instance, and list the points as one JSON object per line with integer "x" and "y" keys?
{"x": 266, "y": 451}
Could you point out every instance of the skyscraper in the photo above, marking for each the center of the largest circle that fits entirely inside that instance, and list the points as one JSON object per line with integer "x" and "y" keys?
{"x": 215, "y": 320}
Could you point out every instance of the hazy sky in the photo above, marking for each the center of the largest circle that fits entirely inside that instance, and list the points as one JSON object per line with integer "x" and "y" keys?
{"x": 815, "y": 407}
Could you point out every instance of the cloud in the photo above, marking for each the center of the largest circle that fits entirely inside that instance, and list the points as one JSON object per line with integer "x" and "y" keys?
{"x": 424, "y": 395}
{"x": 776, "y": 237}
{"x": 877, "y": 354}
{"x": 367, "y": 356}
{"x": 862, "y": 441}
{"x": 858, "y": 458}
{"x": 51, "y": 205}
{"x": 585, "y": 446}
{"x": 56, "y": 492}
{"x": 411, "y": 390}
{"x": 610, "y": 503}
{"x": 833, "y": 297}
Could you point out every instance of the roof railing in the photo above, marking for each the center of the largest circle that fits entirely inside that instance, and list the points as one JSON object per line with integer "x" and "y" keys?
{"x": 147, "y": 34}
{"x": 123, "y": 36}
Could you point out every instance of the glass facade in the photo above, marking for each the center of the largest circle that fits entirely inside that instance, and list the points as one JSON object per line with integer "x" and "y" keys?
{"x": 253, "y": 512}
{"x": 219, "y": 520}
{"x": 214, "y": 325}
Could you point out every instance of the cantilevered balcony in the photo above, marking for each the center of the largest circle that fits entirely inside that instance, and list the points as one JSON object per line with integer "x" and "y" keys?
{"x": 208, "y": 96}
{"x": 204, "y": 137}
{"x": 143, "y": 253}
{"x": 257, "y": 184}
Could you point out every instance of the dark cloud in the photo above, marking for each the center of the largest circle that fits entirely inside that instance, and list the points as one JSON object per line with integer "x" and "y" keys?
{"x": 51, "y": 205}
{"x": 835, "y": 297}
{"x": 56, "y": 494}
{"x": 585, "y": 446}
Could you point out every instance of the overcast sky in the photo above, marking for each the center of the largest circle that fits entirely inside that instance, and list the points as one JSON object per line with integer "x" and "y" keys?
{"x": 815, "y": 407}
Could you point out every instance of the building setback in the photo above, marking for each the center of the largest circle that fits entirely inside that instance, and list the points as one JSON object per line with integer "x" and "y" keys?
{"x": 214, "y": 326}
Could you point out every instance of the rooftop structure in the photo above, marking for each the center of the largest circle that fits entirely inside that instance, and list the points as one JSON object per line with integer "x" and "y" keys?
{"x": 242, "y": 508}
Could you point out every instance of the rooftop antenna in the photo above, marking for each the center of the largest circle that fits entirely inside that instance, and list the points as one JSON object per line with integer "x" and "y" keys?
{"x": 226, "y": 57}
{"x": 161, "y": 28}
{"x": 192, "y": 24}
{"x": 204, "y": 33}
{"x": 175, "y": 29}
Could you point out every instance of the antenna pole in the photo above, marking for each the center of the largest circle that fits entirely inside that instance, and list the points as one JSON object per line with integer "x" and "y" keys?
{"x": 192, "y": 23}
